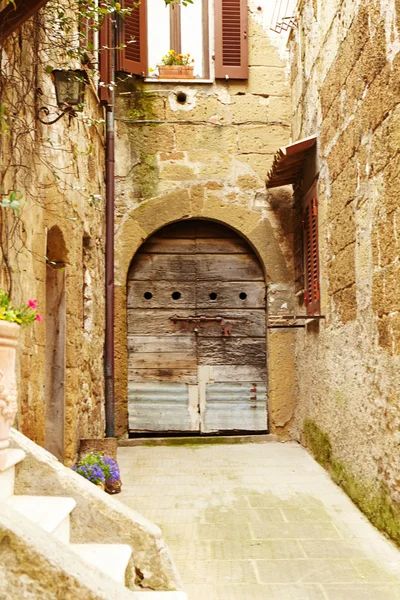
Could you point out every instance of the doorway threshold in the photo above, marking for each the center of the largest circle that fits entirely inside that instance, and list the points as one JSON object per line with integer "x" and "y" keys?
{"x": 197, "y": 440}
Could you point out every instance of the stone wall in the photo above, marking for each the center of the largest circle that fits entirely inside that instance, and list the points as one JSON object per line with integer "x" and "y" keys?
{"x": 207, "y": 158}
{"x": 346, "y": 88}
{"x": 58, "y": 172}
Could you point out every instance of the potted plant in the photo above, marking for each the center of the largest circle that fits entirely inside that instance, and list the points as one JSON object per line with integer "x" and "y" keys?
{"x": 176, "y": 66}
{"x": 12, "y": 318}
{"x": 101, "y": 470}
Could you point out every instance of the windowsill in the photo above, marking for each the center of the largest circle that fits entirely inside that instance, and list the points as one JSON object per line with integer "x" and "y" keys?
{"x": 180, "y": 81}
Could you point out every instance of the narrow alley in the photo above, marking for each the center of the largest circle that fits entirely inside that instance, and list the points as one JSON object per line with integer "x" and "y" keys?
{"x": 257, "y": 521}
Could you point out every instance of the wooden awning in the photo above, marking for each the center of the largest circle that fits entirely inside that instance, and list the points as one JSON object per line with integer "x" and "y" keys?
{"x": 288, "y": 163}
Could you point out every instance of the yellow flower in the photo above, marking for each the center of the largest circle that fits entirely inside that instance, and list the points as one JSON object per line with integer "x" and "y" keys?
{"x": 117, "y": 6}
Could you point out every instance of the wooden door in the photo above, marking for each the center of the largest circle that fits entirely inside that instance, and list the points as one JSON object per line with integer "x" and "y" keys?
{"x": 196, "y": 333}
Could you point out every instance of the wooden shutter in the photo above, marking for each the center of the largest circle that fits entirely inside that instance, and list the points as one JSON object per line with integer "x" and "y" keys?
{"x": 133, "y": 35}
{"x": 298, "y": 242}
{"x": 105, "y": 45}
{"x": 231, "y": 44}
{"x": 311, "y": 258}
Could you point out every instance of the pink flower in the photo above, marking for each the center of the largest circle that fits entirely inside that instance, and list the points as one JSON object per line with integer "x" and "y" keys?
{"x": 39, "y": 318}
{"x": 32, "y": 304}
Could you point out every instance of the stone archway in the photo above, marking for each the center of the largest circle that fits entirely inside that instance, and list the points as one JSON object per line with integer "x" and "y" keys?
{"x": 140, "y": 223}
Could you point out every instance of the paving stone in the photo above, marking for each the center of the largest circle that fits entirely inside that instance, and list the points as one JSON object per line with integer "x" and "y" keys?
{"x": 299, "y": 531}
{"x": 307, "y": 571}
{"x": 223, "y": 571}
{"x": 258, "y": 522}
{"x": 362, "y": 592}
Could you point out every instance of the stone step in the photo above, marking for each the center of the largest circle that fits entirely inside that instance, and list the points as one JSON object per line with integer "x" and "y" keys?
{"x": 8, "y": 459}
{"x": 51, "y": 513}
{"x": 111, "y": 559}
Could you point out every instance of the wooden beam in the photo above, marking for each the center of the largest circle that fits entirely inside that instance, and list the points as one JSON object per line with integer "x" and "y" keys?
{"x": 12, "y": 17}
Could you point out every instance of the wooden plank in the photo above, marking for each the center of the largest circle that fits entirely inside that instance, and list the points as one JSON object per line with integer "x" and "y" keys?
{"x": 166, "y": 267}
{"x": 230, "y": 295}
{"x": 228, "y": 267}
{"x": 231, "y": 351}
{"x": 241, "y": 373}
{"x": 197, "y": 228}
{"x": 157, "y": 322}
{"x": 159, "y": 344}
{"x": 163, "y": 294}
{"x": 161, "y": 360}
{"x": 163, "y": 375}
{"x": 160, "y": 245}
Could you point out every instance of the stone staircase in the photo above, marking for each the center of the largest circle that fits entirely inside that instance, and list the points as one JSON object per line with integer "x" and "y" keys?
{"x": 49, "y": 516}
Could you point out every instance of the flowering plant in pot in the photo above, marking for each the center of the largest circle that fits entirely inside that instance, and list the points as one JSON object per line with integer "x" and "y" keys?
{"x": 176, "y": 66}
{"x": 12, "y": 318}
{"x": 101, "y": 470}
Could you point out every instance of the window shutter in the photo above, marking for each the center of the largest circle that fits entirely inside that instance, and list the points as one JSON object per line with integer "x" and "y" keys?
{"x": 298, "y": 242}
{"x": 105, "y": 59}
{"x": 133, "y": 36}
{"x": 231, "y": 44}
{"x": 311, "y": 258}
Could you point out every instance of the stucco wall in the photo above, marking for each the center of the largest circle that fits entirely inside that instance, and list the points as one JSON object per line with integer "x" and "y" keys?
{"x": 207, "y": 158}
{"x": 345, "y": 87}
{"x": 58, "y": 171}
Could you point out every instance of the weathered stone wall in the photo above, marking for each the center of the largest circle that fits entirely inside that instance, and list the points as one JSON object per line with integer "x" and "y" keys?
{"x": 346, "y": 88}
{"x": 58, "y": 171}
{"x": 208, "y": 158}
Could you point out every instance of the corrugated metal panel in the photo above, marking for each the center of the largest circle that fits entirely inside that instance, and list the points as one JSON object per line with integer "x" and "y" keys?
{"x": 235, "y": 406}
{"x": 163, "y": 407}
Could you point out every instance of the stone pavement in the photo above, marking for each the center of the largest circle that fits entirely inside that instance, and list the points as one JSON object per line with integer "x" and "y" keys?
{"x": 258, "y": 521}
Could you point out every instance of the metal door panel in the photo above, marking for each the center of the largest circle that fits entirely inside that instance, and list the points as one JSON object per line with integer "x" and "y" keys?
{"x": 235, "y": 406}
{"x": 161, "y": 406}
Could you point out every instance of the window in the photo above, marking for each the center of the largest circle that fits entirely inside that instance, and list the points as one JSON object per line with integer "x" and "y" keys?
{"x": 180, "y": 28}
{"x": 152, "y": 29}
{"x": 310, "y": 252}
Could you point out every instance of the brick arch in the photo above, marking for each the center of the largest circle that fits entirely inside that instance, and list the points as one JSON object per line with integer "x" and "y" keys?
{"x": 150, "y": 216}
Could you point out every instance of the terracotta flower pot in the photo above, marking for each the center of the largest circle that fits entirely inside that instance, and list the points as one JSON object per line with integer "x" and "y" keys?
{"x": 9, "y": 333}
{"x": 175, "y": 72}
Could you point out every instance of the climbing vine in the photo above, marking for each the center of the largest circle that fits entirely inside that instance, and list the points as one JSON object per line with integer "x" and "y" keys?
{"x": 39, "y": 167}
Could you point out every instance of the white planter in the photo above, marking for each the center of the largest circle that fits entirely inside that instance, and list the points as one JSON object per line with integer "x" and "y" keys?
{"x": 9, "y": 333}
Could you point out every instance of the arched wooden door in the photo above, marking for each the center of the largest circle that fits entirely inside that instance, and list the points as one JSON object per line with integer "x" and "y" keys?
{"x": 196, "y": 333}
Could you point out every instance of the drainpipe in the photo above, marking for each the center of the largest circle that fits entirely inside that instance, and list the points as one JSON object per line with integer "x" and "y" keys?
{"x": 109, "y": 337}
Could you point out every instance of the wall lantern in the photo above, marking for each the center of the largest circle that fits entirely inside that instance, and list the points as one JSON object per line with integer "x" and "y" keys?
{"x": 70, "y": 92}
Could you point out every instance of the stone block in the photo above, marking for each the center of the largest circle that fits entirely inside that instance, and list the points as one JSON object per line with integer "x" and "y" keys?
{"x": 216, "y": 170}
{"x": 199, "y": 107}
{"x": 389, "y": 333}
{"x": 343, "y": 189}
{"x": 391, "y": 185}
{"x": 247, "y": 182}
{"x": 172, "y": 155}
{"x": 249, "y": 108}
{"x": 149, "y": 140}
{"x": 260, "y": 163}
{"x": 279, "y": 108}
{"x": 342, "y": 230}
{"x": 345, "y": 302}
{"x": 341, "y": 270}
{"x": 268, "y": 81}
{"x": 262, "y": 139}
{"x": 177, "y": 172}
{"x": 205, "y": 137}
{"x": 386, "y": 290}
{"x": 385, "y": 239}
